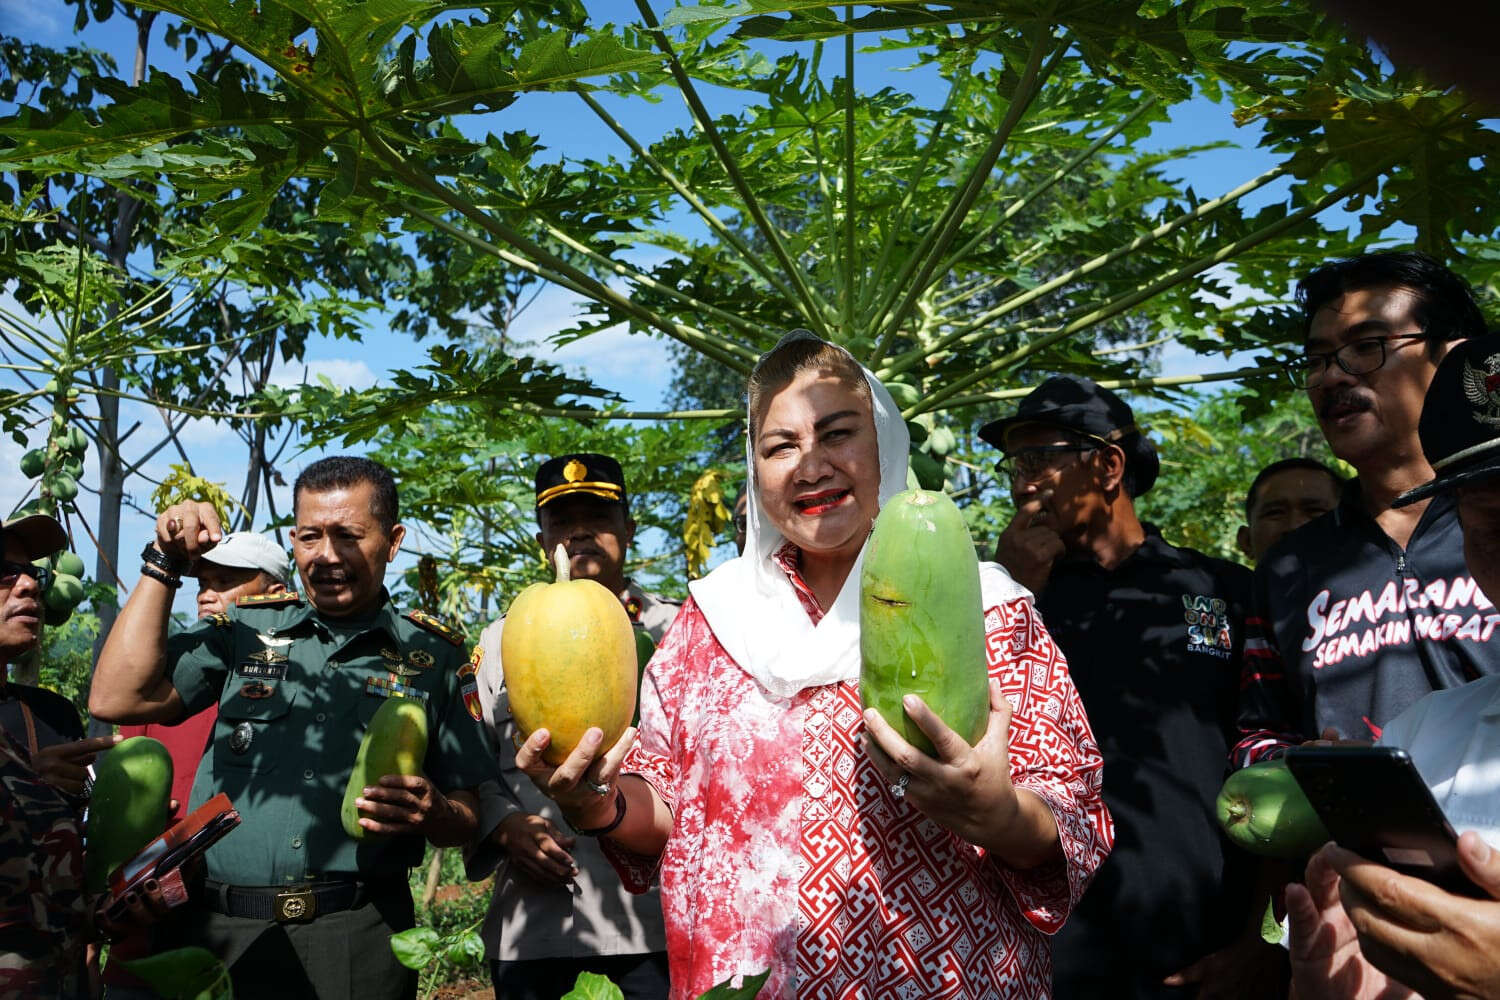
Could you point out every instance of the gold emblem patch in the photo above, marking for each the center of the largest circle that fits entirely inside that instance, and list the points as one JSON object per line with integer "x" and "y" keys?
{"x": 574, "y": 471}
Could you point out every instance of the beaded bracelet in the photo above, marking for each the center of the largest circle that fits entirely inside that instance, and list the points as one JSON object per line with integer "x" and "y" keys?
{"x": 606, "y": 830}
{"x": 165, "y": 579}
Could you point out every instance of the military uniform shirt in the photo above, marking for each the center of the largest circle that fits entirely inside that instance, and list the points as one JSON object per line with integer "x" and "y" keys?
{"x": 295, "y": 693}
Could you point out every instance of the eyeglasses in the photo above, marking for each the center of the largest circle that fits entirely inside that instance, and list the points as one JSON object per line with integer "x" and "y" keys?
{"x": 1358, "y": 357}
{"x": 1028, "y": 464}
{"x": 10, "y": 572}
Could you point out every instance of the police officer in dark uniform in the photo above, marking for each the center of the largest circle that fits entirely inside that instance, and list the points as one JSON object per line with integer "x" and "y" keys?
{"x": 1153, "y": 634}
{"x": 292, "y": 903}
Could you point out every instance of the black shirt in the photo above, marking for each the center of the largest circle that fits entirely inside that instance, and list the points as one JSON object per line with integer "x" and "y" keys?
{"x": 55, "y": 717}
{"x": 1154, "y": 647}
{"x": 1349, "y": 629}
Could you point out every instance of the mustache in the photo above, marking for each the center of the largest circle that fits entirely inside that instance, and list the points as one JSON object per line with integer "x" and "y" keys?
{"x": 1351, "y": 399}
{"x": 329, "y": 576}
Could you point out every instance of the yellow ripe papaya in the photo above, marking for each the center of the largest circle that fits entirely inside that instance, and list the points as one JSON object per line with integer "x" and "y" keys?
{"x": 921, "y": 623}
{"x": 128, "y": 809}
{"x": 570, "y": 661}
{"x": 395, "y": 743}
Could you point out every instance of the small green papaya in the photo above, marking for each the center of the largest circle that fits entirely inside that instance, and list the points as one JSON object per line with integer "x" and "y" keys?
{"x": 917, "y": 431}
{"x": 921, "y": 620}
{"x": 66, "y": 592}
{"x": 33, "y": 463}
{"x": 941, "y": 441}
{"x": 132, "y": 789}
{"x": 75, "y": 441}
{"x": 72, "y": 465}
{"x": 904, "y": 395}
{"x": 1263, "y": 810}
{"x": 62, "y": 486}
{"x": 70, "y": 563}
{"x": 395, "y": 743}
{"x": 929, "y": 471}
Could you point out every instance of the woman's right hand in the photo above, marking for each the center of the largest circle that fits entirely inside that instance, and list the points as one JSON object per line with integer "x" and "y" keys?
{"x": 575, "y": 785}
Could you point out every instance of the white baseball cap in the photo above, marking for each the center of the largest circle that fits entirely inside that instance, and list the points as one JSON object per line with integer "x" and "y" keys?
{"x": 251, "y": 550}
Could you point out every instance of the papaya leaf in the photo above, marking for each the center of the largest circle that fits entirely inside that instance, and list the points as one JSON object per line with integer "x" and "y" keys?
{"x": 591, "y": 986}
{"x": 416, "y": 948}
{"x": 466, "y": 950}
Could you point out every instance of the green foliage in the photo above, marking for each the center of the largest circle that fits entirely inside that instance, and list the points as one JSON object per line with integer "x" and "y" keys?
{"x": 1210, "y": 456}
{"x": 67, "y": 659}
{"x": 184, "y": 974}
{"x": 181, "y": 485}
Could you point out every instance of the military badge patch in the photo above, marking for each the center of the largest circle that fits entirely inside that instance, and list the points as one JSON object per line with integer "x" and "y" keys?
{"x": 241, "y": 738}
{"x": 470, "y": 691}
{"x": 1482, "y": 389}
{"x": 256, "y": 690}
{"x": 471, "y": 667}
{"x": 219, "y": 619}
{"x": 390, "y": 687}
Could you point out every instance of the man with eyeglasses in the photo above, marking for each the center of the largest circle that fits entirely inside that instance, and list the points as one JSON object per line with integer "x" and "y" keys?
{"x": 1153, "y": 637}
{"x": 1363, "y": 611}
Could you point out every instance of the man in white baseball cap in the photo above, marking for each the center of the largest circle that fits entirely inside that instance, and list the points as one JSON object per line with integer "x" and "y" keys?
{"x": 243, "y": 563}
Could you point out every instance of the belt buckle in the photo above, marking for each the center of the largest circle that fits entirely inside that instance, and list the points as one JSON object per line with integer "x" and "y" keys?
{"x": 296, "y": 905}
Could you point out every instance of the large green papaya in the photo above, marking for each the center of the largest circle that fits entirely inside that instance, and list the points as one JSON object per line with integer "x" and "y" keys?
{"x": 395, "y": 743}
{"x": 921, "y": 623}
{"x": 132, "y": 790}
{"x": 1263, "y": 810}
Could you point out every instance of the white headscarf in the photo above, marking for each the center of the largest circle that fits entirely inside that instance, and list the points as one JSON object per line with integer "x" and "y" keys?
{"x": 758, "y": 618}
{"x": 751, "y": 606}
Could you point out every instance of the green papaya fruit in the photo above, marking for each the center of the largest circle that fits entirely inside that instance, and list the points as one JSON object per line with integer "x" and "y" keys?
{"x": 917, "y": 432}
{"x": 941, "y": 441}
{"x": 75, "y": 441}
{"x": 929, "y": 471}
{"x": 66, "y": 592}
{"x": 70, "y": 563}
{"x": 33, "y": 463}
{"x": 72, "y": 465}
{"x": 62, "y": 486}
{"x": 1263, "y": 810}
{"x": 395, "y": 743}
{"x": 904, "y": 395}
{"x": 921, "y": 620}
{"x": 132, "y": 789}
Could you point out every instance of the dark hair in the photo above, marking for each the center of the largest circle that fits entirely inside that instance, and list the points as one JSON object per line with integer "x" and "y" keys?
{"x": 339, "y": 472}
{"x": 780, "y": 366}
{"x": 1445, "y": 302}
{"x": 1311, "y": 464}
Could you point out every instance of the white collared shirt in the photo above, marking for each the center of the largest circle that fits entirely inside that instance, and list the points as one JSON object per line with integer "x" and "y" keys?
{"x": 1453, "y": 737}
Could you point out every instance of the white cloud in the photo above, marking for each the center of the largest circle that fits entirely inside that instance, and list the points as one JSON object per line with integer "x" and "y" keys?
{"x": 345, "y": 373}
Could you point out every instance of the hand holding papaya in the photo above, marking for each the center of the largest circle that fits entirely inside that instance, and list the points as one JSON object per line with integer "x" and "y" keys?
{"x": 184, "y": 531}
{"x": 574, "y": 783}
{"x": 964, "y": 789}
{"x": 1030, "y": 544}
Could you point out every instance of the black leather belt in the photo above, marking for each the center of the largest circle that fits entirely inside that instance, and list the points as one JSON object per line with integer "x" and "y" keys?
{"x": 287, "y": 904}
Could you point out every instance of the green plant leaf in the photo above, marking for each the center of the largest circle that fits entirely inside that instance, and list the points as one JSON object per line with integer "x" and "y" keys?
{"x": 416, "y": 948}
{"x": 748, "y": 989}
{"x": 591, "y": 986}
{"x": 183, "y": 974}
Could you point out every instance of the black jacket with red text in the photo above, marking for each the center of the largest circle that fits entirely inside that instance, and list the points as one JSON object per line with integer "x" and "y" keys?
{"x": 1348, "y": 630}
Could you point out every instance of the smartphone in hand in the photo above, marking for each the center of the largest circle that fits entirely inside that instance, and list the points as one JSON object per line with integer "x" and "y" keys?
{"x": 1374, "y": 802}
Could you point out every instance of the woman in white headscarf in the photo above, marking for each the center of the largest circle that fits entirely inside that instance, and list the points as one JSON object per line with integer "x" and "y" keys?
{"x": 794, "y": 832}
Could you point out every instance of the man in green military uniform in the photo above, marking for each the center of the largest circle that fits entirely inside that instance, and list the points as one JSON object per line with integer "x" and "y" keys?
{"x": 292, "y": 903}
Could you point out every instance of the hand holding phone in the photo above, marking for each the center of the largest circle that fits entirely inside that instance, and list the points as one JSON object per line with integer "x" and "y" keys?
{"x": 1374, "y": 802}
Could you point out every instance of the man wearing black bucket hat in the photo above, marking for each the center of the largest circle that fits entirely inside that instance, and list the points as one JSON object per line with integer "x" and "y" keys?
{"x": 1153, "y": 637}
{"x": 1410, "y": 932}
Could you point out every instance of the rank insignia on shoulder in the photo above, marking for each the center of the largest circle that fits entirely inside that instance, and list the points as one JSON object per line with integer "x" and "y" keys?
{"x": 422, "y": 619}
{"x": 219, "y": 619}
{"x": 282, "y": 599}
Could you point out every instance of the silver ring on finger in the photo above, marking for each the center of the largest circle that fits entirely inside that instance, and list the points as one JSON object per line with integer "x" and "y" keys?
{"x": 596, "y": 788}
{"x": 898, "y": 787}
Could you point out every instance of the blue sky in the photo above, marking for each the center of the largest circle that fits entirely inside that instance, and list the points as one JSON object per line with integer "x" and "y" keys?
{"x": 634, "y": 366}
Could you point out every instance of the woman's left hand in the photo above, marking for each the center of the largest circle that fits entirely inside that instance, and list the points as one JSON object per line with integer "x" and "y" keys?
{"x": 965, "y": 789}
